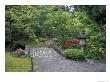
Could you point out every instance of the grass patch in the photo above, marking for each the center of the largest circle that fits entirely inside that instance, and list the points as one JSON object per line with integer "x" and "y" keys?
{"x": 17, "y": 64}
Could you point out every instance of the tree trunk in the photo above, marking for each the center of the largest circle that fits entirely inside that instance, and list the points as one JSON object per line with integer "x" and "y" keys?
{"x": 12, "y": 36}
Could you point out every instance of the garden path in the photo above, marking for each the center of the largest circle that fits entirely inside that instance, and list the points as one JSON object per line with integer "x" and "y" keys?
{"x": 48, "y": 60}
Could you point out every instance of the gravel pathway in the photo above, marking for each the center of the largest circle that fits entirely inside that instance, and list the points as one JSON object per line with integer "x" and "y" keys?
{"x": 48, "y": 60}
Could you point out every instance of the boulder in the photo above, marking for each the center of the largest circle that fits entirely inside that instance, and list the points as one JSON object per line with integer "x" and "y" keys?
{"x": 19, "y": 52}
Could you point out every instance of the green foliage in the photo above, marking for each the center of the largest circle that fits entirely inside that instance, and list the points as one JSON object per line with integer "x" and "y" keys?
{"x": 55, "y": 40}
{"x": 18, "y": 44}
{"x": 96, "y": 12}
{"x": 42, "y": 39}
{"x": 95, "y": 52}
{"x": 19, "y": 21}
{"x": 28, "y": 24}
{"x": 74, "y": 54}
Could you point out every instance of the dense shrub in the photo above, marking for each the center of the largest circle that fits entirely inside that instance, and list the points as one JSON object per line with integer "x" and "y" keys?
{"x": 42, "y": 39}
{"x": 95, "y": 52}
{"x": 55, "y": 40}
{"x": 74, "y": 54}
{"x": 19, "y": 44}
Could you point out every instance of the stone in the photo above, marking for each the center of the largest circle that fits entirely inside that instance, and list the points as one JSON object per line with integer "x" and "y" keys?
{"x": 19, "y": 52}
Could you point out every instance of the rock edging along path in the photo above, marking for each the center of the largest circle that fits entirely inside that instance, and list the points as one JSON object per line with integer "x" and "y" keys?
{"x": 48, "y": 60}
